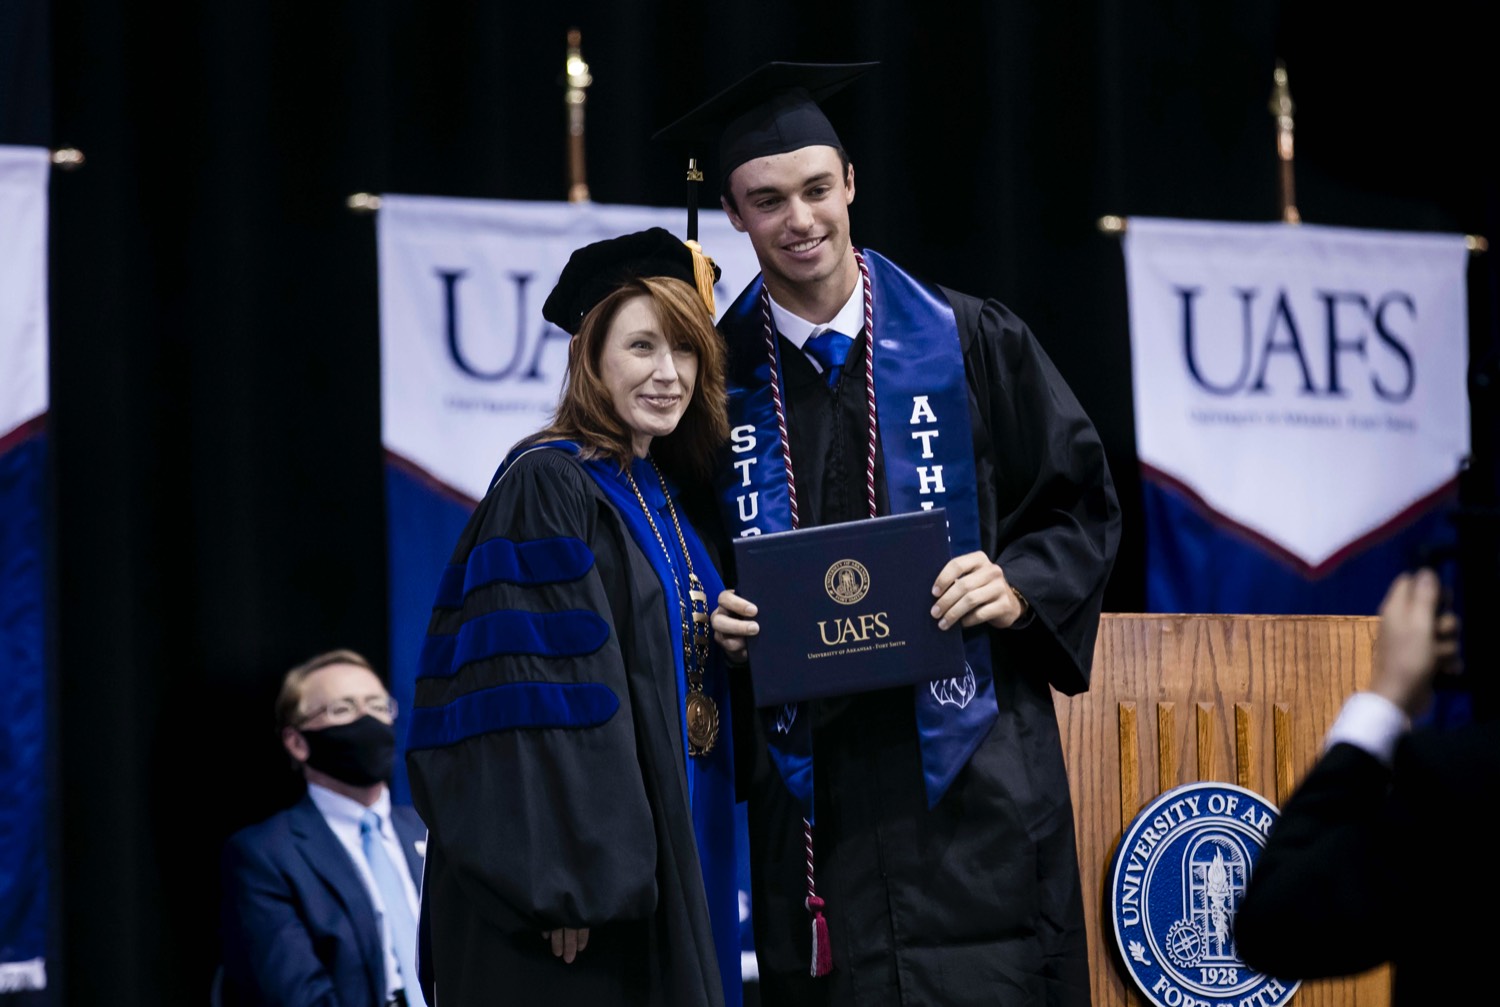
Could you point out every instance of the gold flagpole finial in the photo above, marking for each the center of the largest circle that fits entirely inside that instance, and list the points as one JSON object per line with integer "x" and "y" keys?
{"x": 67, "y": 158}
{"x": 1282, "y": 108}
{"x": 363, "y": 202}
{"x": 578, "y": 79}
{"x": 1111, "y": 224}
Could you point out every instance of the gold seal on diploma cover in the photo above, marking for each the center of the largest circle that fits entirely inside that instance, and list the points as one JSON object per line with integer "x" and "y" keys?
{"x": 702, "y": 723}
{"x": 847, "y": 581}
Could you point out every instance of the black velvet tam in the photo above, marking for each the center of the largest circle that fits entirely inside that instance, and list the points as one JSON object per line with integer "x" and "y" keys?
{"x": 594, "y": 271}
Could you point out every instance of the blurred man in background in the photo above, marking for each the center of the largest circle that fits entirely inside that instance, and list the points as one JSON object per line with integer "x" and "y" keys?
{"x": 320, "y": 900}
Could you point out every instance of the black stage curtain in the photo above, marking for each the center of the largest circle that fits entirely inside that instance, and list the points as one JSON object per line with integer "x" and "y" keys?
{"x": 215, "y": 352}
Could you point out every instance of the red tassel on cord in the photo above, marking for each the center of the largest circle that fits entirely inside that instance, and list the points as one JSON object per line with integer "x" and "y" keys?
{"x": 822, "y": 954}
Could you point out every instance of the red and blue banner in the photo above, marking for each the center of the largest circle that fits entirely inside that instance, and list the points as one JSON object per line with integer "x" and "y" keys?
{"x": 1301, "y": 410}
{"x": 25, "y": 800}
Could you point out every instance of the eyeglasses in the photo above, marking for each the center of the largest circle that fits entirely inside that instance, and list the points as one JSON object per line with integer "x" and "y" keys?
{"x": 346, "y": 709}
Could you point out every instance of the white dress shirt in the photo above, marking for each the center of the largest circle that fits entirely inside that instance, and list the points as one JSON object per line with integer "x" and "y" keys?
{"x": 342, "y": 815}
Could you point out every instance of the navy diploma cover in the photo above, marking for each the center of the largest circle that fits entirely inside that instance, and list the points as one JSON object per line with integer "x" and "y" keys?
{"x": 846, "y": 608}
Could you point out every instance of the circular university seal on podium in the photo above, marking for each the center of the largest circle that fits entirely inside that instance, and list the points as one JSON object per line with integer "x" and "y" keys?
{"x": 1175, "y": 881}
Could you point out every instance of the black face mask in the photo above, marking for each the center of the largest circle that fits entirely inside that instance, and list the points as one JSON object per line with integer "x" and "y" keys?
{"x": 359, "y": 753}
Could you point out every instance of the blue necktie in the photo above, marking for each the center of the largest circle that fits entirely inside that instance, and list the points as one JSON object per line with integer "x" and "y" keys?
{"x": 397, "y": 909}
{"x": 830, "y": 349}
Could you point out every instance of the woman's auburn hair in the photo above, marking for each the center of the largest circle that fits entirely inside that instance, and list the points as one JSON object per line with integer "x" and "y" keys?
{"x": 585, "y": 412}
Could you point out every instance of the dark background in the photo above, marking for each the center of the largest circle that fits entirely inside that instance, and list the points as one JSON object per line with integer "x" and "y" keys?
{"x": 215, "y": 419}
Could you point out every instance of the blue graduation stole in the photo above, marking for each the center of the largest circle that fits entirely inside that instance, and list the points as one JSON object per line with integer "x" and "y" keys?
{"x": 922, "y": 401}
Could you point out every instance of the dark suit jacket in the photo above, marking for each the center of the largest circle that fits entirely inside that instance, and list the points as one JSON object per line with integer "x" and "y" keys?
{"x": 1367, "y": 866}
{"x": 298, "y": 926}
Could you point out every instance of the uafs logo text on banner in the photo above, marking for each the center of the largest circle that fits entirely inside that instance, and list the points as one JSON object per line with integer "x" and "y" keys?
{"x": 1307, "y": 384}
{"x": 468, "y": 364}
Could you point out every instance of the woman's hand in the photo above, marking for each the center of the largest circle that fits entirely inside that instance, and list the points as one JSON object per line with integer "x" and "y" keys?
{"x": 733, "y": 624}
{"x": 567, "y": 942}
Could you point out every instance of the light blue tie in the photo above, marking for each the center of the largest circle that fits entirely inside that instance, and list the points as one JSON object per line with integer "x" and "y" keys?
{"x": 830, "y": 349}
{"x": 397, "y": 909}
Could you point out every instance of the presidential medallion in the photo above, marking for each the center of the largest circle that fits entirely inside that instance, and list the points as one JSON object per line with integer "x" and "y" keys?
{"x": 702, "y": 723}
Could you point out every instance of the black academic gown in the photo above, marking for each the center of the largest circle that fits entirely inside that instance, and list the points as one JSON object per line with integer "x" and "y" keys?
{"x": 976, "y": 901}
{"x": 1366, "y": 865}
{"x": 537, "y": 829}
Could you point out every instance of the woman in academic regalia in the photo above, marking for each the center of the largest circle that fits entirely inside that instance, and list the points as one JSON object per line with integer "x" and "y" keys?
{"x": 570, "y": 750}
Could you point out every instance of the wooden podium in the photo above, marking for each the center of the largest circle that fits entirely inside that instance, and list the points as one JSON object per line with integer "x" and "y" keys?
{"x": 1176, "y": 699}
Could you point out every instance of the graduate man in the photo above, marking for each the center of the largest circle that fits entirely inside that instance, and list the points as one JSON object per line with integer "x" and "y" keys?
{"x": 922, "y": 836}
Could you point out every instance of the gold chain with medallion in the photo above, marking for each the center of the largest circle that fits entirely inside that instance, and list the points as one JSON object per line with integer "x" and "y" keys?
{"x": 702, "y": 713}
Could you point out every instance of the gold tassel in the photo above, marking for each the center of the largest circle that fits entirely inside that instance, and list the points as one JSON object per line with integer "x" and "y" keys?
{"x": 703, "y": 274}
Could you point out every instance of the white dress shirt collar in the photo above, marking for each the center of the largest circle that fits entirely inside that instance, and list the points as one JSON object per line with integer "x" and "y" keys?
{"x": 798, "y": 330}
{"x": 343, "y": 811}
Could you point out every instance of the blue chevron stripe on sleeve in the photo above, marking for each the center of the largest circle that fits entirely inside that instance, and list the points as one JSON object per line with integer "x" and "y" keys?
{"x": 572, "y": 633}
{"x": 540, "y": 561}
{"x": 512, "y": 707}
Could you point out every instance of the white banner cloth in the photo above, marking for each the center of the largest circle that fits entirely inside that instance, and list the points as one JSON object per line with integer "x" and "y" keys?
{"x": 24, "y": 173}
{"x": 1306, "y": 383}
{"x": 468, "y": 365}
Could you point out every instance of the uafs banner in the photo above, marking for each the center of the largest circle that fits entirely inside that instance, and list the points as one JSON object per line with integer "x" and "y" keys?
{"x": 1300, "y": 406}
{"x": 469, "y": 366}
{"x": 25, "y": 799}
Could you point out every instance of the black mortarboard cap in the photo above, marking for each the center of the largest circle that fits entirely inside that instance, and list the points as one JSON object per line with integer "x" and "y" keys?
{"x": 772, "y": 110}
{"x": 595, "y": 270}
